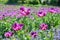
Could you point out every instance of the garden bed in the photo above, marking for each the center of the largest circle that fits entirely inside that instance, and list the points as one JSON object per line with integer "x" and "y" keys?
{"x": 29, "y": 22}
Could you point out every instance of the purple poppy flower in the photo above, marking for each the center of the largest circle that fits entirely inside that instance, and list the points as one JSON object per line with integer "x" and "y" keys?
{"x": 41, "y": 14}
{"x": 34, "y": 34}
{"x": 17, "y": 26}
{"x": 52, "y": 10}
{"x": 22, "y": 8}
{"x": 8, "y": 34}
{"x": 43, "y": 26}
{"x": 24, "y": 11}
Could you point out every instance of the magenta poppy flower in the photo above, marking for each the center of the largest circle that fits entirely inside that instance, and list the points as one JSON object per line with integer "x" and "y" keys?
{"x": 52, "y": 10}
{"x": 24, "y": 11}
{"x": 41, "y": 14}
{"x": 17, "y": 26}
{"x": 34, "y": 34}
{"x": 43, "y": 26}
{"x": 22, "y": 8}
{"x": 8, "y": 34}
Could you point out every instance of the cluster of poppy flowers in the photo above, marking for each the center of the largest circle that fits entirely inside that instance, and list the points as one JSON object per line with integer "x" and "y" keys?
{"x": 17, "y": 27}
{"x": 24, "y": 12}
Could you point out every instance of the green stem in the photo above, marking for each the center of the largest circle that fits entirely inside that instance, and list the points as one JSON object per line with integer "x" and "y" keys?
{"x": 38, "y": 1}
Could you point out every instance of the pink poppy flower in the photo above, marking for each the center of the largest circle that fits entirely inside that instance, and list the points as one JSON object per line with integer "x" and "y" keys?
{"x": 41, "y": 14}
{"x": 34, "y": 34}
{"x": 24, "y": 11}
{"x": 52, "y": 10}
{"x": 43, "y": 26}
{"x": 17, "y": 26}
{"x": 8, "y": 34}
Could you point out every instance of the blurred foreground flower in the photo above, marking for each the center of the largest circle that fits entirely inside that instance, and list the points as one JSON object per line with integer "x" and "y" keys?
{"x": 8, "y": 34}
{"x": 43, "y": 26}
{"x": 17, "y": 26}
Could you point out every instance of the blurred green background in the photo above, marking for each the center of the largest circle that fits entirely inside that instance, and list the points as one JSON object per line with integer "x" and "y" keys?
{"x": 34, "y": 2}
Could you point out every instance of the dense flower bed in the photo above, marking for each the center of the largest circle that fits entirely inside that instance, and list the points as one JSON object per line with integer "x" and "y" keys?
{"x": 26, "y": 24}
